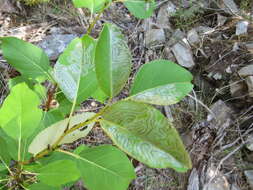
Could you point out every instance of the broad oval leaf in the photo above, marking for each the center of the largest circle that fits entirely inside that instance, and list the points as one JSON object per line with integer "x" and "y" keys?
{"x": 140, "y": 8}
{"x": 105, "y": 167}
{"x": 51, "y": 134}
{"x": 112, "y": 60}
{"x": 58, "y": 173}
{"x": 75, "y": 72}
{"x": 92, "y": 5}
{"x": 20, "y": 115}
{"x": 28, "y": 59}
{"x": 161, "y": 82}
{"x": 144, "y": 133}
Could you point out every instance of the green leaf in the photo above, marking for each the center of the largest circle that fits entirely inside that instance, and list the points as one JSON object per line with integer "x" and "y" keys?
{"x": 144, "y": 133}
{"x": 58, "y": 173}
{"x": 140, "y": 8}
{"x": 51, "y": 134}
{"x": 28, "y": 59}
{"x": 64, "y": 104}
{"x": 19, "y": 79}
{"x": 20, "y": 114}
{"x": 112, "y": 60}
{"x": 161, "y": 82}
{"x": 92, "y": 5}
{"x": 105, "y": 167}
{"x": 2, "y": 167}
{"x": 52, "y": 117}
{"x": 75, "y": 72}
{"x": 99, "y": 95}
{"x": 11, "y": 145}
{"x": 41, "y": 186}
{"x": 4, "y": 152}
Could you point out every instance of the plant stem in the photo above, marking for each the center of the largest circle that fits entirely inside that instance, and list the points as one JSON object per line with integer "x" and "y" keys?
{"x": 91, "y": 26}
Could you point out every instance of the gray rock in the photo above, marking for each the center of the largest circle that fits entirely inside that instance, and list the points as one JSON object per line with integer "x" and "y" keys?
{"x": 215, "y": 180}
{"x": 242, "y": 27}
{"x": 7, "y": 7}
{"x": 54, "y": 45}
{"x": 171, "y": 8}
{"x": 193, "y": 37}
{"x": 249, "y": 177}
{"x": 246, "y": 71}
{"x": 221, "y": 115}
{"x": 204, "y": 30}
{"x": 183, "y": 55}
{"x": 221, "y": 20}
{"x": 229, "y": 6}
{"x": 249, "y": 46}
{"x": 193, "y": 182}
{"x": 249, "y": 144}
{"x": 216, "y": 76}
{"x": 249, "y": 82}
{"x": 237, "y": 88}
{"x": 177, "y": 36}
{"x": 168, "y": 54}
{"x": 164, "y": 14}
{"x": 234, "y": 187}
{"x": 216, "y": 186}
{"x": 154, "y": 37}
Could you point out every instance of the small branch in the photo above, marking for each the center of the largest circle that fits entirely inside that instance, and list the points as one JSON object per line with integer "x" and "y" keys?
{"x": 91, "y": 26}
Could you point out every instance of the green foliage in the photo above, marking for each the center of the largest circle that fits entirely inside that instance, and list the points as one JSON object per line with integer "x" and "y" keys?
{"x": 20, "y": 112}
{"x": 31, "y": 137}
{"x": 145, "y": 134}
{"x": 112, "y": 60}
{"x": 140, "y": 8}
{"x": 29, "y": 60}
{"x": 161, "y": 82}
{"x": 186, "y": 17}
{"x": 105, "y": 167}
{"x": 93, "y": 5}
{"x": 59, "y": 172}
{"x": 75, "y": 70}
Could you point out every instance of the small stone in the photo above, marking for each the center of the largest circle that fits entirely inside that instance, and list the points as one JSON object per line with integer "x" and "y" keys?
{"x": 154, "y": 37}
{"x": 221, "y": 114}
{"x": 229, "y": 6}
{"x": 242, "y": 27}
{"x": 249, "y": 82}
{"x": 204, "y": 30}
{"x": 54, "y": 45}
{"x": 168, "y": 54}
{"x": 249, "y": 46}
{"x": 193, "y": 183}
{"x": 219, "y": 181}
{"x": 171, "y": 8}
{"x": 249, "y": 144}
{"x": 221, "y": 20}
{"x": 237, "y": 88}
{"x": 246, "y": 71}
{"x": 164, "y": 14}
{"x": 183, "y": 55}
{"x": 217, "y": 76}
{"x": 249, "y": 177}
{"x": 7, "y": 7}
{"x": 177, "y": 36}
{"x": 193, "y": 37}
{"x": 235, "y": 187}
